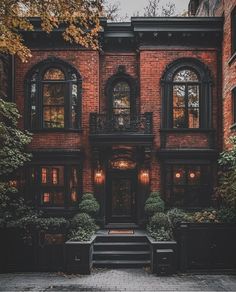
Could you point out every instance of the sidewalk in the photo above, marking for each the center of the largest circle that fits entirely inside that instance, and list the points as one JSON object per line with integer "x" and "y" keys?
{"x": 115, "y": 280}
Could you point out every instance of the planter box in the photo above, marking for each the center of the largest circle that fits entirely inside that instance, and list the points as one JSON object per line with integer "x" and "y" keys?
{"x": 163, "y": 256}
{"x": 78, "y": 256}
{"x": 207, "y": 246}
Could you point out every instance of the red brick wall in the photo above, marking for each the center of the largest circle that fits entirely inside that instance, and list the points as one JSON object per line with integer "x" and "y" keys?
{"x": 152, "y": 66}
{"x": 190, "y": 140}
{"x": 109, "y": 65}
{"x": 87, "y": 63}
{"x": 229, "y": 70}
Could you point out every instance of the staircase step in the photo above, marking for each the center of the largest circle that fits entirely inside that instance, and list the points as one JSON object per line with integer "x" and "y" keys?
{"x": 122, "y": 252}
{"x": 133, "y": 246}
{"x": 120, "y": 263}
{"x": 119, "y": 238}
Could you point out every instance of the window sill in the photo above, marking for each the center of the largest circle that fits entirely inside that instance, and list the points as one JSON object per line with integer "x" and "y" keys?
{"x": 56, "y": 130}
{"x": 186, "y": 130}
{"x": 232, "y": 58}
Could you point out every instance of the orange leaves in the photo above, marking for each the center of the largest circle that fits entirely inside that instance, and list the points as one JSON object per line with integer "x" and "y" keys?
{"x": 79, "y": 17}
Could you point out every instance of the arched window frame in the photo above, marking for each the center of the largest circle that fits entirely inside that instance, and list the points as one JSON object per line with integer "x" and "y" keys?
{"x": 121, "y": 76}
{"x": 38, "y": 71}
{"x": 205, "y": 84}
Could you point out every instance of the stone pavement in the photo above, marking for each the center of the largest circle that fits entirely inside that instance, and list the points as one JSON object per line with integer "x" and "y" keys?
{"x": 115, "y": 280}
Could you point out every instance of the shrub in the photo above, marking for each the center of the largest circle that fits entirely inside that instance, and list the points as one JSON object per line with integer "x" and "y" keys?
{"x": 158, "y": 221}
{"x": 90, "y": 207}
{"x": 159, "y": 227}
{"x": 80, "y": 234}
{"x": 161, "y": 234}
{"x": 154, "y": 204}
{"x": 154, "y": 194}
{"x": 176, "y": 216}
{"x": 227, "y": 215}
{"x": 82, "y": 227}
{"x": 88, "y": 196}
{"x": 82, "y": 220}
{"x": 206, "y": 216}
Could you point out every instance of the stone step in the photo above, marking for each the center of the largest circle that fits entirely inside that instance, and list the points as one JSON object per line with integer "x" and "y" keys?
{"x": 133, "y": 246}
{"x": 121, "y": 263}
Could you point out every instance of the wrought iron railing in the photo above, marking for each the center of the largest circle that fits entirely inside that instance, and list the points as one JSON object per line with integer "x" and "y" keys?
{"x": 120, "y": 123}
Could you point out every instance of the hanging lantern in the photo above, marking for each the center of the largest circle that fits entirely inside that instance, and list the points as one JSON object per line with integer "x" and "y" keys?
{"x": 144, "y": 176}
{"x": 98, "y": 176}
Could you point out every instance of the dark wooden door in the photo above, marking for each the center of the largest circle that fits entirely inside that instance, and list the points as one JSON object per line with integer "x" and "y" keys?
{"x": 121, "y": 197}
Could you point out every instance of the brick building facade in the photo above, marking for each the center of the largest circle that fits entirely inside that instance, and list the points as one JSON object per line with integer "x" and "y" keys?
{"x": 143, "y": 114}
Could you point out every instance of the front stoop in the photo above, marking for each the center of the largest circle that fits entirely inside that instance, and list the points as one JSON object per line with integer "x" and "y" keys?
{"x": 121, "y": 251}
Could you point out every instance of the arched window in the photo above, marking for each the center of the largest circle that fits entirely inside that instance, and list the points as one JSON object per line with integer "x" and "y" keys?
{"x": 186, "y": 99}
{"x": 54, "y": 96}
{"x": 186, "y": 89}
{"x": 121, "y": 96}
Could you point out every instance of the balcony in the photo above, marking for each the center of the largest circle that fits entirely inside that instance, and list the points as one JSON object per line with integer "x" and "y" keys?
{"x": 121, "y": 127}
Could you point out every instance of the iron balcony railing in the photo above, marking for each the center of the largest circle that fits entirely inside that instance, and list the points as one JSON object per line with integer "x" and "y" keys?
{"x": 120, "y": 124}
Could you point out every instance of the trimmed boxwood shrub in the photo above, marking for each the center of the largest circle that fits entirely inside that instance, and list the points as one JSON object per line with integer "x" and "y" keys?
{"x": 88, "y": 196}
{"x": 227, "y": 215}
{"x": 82, "y": 227}
{"x": 90, "y": 207}
{"x": 154, "y": 204}
{"x": 159, "y": 227}
{"x": 177, "y": 216}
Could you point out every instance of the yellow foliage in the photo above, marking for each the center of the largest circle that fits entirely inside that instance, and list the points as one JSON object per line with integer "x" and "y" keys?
{"x": 81, "y": 18}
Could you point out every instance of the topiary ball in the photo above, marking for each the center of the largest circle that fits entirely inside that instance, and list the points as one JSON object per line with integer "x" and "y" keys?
{"x": 90, "y": 207}
{"x": 88, "y": 196}
{"x": 177, "y": 216}
{"x": 154, "y": 205}
{"x": 82, "y": 220}
{"x": 154, "y": 194}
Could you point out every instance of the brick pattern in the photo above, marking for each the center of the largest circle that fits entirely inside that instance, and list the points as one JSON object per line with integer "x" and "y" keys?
{"x": 191, "y": 140}
{"x": 87, "y": 63}
{"x": 147, "y": 67}
{"x": 152, "y": 66}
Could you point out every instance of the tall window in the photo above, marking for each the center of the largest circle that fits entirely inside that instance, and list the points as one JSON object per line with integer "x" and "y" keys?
{"x": 234, "y": 105}
{"x": 56, "y": 185}
{"x": 186, "y": 99}
{"x": 233, "y": 30}
{"x": 54, "y": 97}
{"x": 187, "y": 185}
{"x": 121, "y": 103}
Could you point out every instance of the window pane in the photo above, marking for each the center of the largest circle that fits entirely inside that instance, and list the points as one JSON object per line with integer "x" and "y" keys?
{"x": 194, "y": 175}
{"x": 44, "y": 175}
{"x": 121, "y": 95}
{"x": 193, "y": 118}
{"x": 178, "y": 96}
{"x": 33, "y": 104}
{"x": 178, "y": 196}
{"x": 46, "y": 198}
{"x": 54, "y": 74}
{"x": 53, "y": 117}
{"x": 74, "y": 94}
{"x": 179, "y": 176}
{"x": 58, "y": 199}
{"x": 54, "y": 94}
{"x": 74, "y": 196}
{"x": 193, "y": 96}
{"x": 179, "y": 120}
{"x": 186, "y": 76}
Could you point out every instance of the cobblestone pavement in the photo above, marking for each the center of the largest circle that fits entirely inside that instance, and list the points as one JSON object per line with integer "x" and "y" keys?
{"x": 115, "y": 280}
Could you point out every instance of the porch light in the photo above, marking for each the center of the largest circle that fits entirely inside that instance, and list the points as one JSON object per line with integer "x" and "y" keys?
{"x": 192, "y": 175}
{"x": 178, "y": 175}
{"x": 98, "y": 176}
{"x": 144, "y": 176}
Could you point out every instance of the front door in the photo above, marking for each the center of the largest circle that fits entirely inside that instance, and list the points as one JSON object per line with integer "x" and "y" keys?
{"x": 121, "y": 201}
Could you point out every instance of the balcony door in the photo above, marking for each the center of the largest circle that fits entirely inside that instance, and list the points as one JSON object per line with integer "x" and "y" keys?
{"x": 121, "y": 105}
{"x": 121, "y": 197}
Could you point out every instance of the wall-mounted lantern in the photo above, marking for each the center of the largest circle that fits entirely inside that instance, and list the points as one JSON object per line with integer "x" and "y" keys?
{"x": 98, "y": 176}
{"x": 144, "y": 176}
